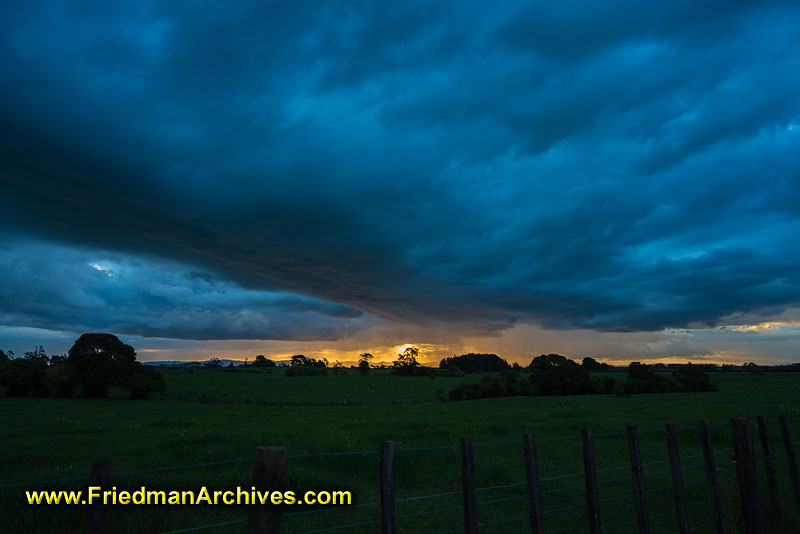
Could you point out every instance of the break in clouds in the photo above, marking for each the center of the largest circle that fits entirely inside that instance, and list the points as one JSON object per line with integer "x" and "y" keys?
{"x": 312, "y": 172}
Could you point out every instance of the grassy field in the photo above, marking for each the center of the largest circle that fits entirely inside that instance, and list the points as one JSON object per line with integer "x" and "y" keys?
{"x": 208, "y": 416}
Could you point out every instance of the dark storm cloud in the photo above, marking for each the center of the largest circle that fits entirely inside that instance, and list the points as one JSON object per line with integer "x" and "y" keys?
{"x": 604, "y": 165}
{"x": 89, "y": 291}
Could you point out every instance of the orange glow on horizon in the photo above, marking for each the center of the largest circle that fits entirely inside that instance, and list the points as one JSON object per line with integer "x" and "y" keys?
{"x": 431, "y": 355}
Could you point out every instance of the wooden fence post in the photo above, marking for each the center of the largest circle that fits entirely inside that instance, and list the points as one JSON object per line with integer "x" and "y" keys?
{"x": 468, "y": 487}
{"x": 589, "y": 468}
{"x": 532, "y": 472}
{"x": 269, "y": 474}
{"x": 677, "y": 481}
{"x": 746, "y": 474}
{"x": 387, "y": 487}
{"x": 791, "y": 460}
{"x": 100, "y": 476}
{"x": 638, "y": 481}
{"x": 769, "y": 466}
{"x": 711, "y": 475}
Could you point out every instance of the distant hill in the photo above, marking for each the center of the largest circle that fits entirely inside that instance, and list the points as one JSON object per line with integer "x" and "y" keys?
{"x": 224, "y": 362}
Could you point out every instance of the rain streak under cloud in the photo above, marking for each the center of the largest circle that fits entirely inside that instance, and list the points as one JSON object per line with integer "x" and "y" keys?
{"x": 612, "y": 179}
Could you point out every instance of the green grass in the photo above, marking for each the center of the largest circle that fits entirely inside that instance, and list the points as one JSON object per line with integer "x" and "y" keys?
{"x": 208, "y": 416}
{"x": 260, "y": 386}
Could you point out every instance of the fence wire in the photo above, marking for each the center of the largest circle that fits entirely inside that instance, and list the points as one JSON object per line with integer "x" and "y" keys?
{"x": 61, "y": 480}
{"x": 566, "y": 508}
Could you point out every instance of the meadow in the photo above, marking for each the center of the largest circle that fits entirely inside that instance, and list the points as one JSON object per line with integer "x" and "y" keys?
{"x": 215, "y": 415}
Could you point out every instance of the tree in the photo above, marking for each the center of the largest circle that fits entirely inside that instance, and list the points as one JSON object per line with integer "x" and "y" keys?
{"x": 37, "y": 354}
{"x": 753, "y": 368}
{"x": 144, "y": 382}
{"x": 406, "y": 363}
{"x": 100, "y": 361}
{"x": 506, "y": 384}
{"x": 363, "y": 362}
{"x": 641, "y": 379}
{"x": 23, "y": 377}
{"x": 338, "y": 368}
{"x": 60, "y": 380}
{"x": 6, "y": 356}
{"x": 213, "y": 363}
{"x": 298, "y": 360}
{"x": 261, "y": 361}
{"x": 694, "y": 378}
{"x": 554, "y": 374}
{"x": 590, "y": 364}
{"x": 475, "y": 363}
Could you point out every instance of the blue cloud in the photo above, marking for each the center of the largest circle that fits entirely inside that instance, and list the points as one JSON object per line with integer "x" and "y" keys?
{"x": 609, "y": 167}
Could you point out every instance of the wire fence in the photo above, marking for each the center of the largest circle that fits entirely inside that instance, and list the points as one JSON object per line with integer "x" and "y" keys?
{"x": 61, "y": 480}
{"x": 488, "y": 490}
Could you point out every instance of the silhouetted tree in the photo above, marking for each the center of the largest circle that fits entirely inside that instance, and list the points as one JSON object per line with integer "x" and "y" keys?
{"x": 590, "y": 364}
{"x": 261, "y": 361}
{"x": 554, "y": 374}
{"x": 506, "y": 384}
{"x": 643, "y": 380}
{"x": 406, "y": 363}
{"x": 100, "y": 361}
{"x": 60, "y": 379}
{"x": 693, "y": 378}
{"x": 363, "y": 362}
{"x": 300, "y": 361}
{"x": 144, "y": 382}
{"x": 753, "y": 368}
{"x": 37, "y": 354}
{"x": 475, "y": 363}
{"x": 22, "y": 377}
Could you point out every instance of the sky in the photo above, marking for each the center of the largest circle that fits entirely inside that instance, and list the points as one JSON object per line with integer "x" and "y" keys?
{"x": 614, "y": 179}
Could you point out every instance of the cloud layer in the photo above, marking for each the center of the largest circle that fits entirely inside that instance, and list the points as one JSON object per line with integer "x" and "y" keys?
{"x": 327, "y": 168}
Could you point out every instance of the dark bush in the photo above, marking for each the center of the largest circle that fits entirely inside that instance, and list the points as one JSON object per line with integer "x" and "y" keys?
{"x": 144, "y": 382}
{"x": 452, "y": 370}
{"x": 609, "y": 385}
{"x": 554, "y": 374}
{"x": 693, "y": 378}
{"x": 506, "y": 384}
{"x": 23, "y": 377}
{"x": 59, "y": 380}
{"x": 475, "y": 363}
{"x": 642, "y": 380}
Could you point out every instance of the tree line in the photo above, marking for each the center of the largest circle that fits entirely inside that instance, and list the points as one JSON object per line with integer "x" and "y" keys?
{"x": 407, "y": 364}
{"x": 302, "y": 365}
{"x": 95, "y": 363}
{"x": 553, "y": 374}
